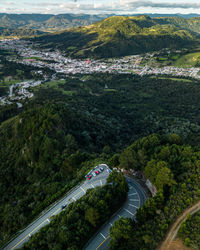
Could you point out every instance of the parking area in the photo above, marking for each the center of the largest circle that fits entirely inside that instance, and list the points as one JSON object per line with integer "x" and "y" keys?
{"x": 97, "y": 170}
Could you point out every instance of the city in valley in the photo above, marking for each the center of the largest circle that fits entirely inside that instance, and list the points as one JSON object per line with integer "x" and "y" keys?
{"x": 31, "y": 54}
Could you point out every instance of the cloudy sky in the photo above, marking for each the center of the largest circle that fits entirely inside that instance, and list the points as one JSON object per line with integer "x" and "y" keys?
{"x": 100, "y": 6}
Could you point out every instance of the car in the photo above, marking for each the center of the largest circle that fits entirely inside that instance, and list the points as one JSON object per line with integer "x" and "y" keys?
{"x": 97, "y": 172}
{"x": 89, "y": 177}
{"x": 64, "y": 206}
{"x": 94, "y": 174}
{"x": 101, "y": 168}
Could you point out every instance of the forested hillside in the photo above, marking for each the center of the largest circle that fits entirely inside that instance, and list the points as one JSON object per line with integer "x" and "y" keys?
{"x": 20, "y": 32}
{"x": 47, "y": 22}
{"x": 174, "y": 169}
{"x": 119, "y": 36}
{"x": 48, "y": 145}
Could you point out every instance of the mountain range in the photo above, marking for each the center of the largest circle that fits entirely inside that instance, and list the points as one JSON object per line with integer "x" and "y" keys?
{"x": 124, "y": 35}
{"x": 47, "y": 22}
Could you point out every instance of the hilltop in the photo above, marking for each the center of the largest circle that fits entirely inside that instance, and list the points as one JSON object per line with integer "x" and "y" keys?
{"x": 120, "y": 35}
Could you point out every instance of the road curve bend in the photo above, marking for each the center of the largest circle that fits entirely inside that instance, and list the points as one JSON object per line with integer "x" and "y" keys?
{"x": 136, "y": 198}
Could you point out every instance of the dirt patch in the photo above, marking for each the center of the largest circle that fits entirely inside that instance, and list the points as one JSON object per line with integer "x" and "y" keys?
{"x": 171, "y": 236}
{"x": 177, "y": 244}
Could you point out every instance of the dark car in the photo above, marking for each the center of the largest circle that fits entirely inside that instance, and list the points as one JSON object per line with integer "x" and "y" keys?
{"x": 64, "y": 206}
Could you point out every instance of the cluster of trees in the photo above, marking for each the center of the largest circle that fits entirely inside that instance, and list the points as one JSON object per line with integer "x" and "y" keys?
{"x": 190, "y": 231}
{"x": 175, "y": 171}
{"x": 76, "y": 225}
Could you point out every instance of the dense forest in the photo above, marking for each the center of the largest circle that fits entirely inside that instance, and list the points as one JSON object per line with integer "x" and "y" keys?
{"x": 190, "y": 231}
{"x": 75, "y": 226}
{"x": 174, "y": 169}
{"x": 47, "y": 146}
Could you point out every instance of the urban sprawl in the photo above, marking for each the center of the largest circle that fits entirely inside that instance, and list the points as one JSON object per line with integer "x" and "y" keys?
{"x": 60, "y": 64}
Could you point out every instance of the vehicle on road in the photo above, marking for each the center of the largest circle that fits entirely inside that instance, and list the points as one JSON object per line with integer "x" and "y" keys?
{"x": 94, "y": 174}
{"x": 89, "y": 177}
{"x": 97, "y": 172}
{"x": 101, "y": 168}
{"x": 64, "y": 206}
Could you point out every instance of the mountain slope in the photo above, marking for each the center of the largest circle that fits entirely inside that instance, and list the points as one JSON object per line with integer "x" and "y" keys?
{"x": 47, "y": 22}
{"x": 119, "y": 36}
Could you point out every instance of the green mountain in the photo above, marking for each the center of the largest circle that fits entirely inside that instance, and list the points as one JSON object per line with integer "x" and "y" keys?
{"x": 47, "y": 22}
{"x": 20, "y": 32}
{"x": 119, "y": 36}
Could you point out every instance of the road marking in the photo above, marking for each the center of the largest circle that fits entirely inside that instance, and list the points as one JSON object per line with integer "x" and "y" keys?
{"x": 102, "y": 242}
{"x": 83, "y": 190}
{"x": 132, "y": 194}
{"x": 133, "y": 200}
{"x": 101, "y": 182}
{"x": 48, "y": 220}
{"x": 27, "y": 235}
{"x": 128, "y": 211}
{"x": 56, "y": 211}
{"x": 133, "y": 205}
{"x": 103, "y": 236}
{"x": 111, "y": 224}
{"x": 44, "y": 221}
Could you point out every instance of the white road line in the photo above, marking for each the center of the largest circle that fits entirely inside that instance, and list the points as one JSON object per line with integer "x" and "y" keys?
{"x": 133, "y": 205}
{"x": 132, "y": 194}
{"x": 101, "y": 182}
{"x": 48, "y": 220}
{"x": 103, "y": 236}
{"x": 133, "y": 200}
{"x": 83, "y": 190}
{"x": 92, "y": 185}
{"x": 111, "y": 224}
{"x": 128, "y": 211}
{"x": 74, "y": 198}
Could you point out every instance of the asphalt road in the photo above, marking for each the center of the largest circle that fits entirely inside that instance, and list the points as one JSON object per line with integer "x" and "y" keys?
{"x": 45, "y": 218}
{"x": 136, "y": 198}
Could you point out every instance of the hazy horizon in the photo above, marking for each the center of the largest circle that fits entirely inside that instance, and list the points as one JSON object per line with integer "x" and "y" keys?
{"x": 100, "y": 7}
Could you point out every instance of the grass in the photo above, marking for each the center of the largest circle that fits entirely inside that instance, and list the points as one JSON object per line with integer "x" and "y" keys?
{"x": 188, "y": 60}
{"x": 172, "y": 78}
{"x": 8, "y": 83}
{"x": 110, "y": 90}
{"x": 56, "y": 85}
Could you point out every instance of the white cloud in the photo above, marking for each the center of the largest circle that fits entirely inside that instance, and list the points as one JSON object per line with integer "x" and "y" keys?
{"x": 99, "y": 6}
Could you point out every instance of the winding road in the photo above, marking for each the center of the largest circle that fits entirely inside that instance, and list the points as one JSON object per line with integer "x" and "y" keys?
{"x": 45, "y": 218}
{"x": 136, "y": 198}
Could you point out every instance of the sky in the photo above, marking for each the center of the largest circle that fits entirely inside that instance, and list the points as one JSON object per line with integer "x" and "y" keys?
{"x": 100, "y": 6}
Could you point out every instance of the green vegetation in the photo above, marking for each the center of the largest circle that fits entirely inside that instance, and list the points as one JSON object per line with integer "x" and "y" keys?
{"x": 174, "y": 169}
{"x": 190, "y": 231}
{"x": 75, "y": 226}
{"x": 47, "y": 22}
{"x": 20, "y": 32}
{"x": 47, "y": 146}
{"x": 119, "y": 36}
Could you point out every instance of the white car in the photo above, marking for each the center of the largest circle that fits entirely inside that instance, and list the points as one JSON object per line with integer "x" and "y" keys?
{"x": 94, "y": 174}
